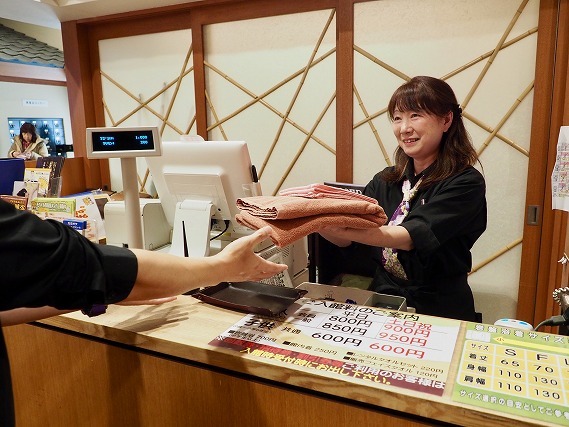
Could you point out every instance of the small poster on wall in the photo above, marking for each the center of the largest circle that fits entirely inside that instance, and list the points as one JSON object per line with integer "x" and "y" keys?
{"x": 560, "y": 174}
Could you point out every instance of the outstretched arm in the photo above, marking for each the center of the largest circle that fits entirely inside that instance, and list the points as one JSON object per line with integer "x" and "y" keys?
{"x": 24, "y": 315}
{"x": 163, "y": 275}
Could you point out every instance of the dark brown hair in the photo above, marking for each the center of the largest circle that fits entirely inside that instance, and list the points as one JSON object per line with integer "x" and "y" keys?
{"x": 433, "y": 96}
{"x": 28, "y": 127}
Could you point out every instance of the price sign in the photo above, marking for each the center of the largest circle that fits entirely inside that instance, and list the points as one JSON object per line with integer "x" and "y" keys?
{"x": 368, "y": 345}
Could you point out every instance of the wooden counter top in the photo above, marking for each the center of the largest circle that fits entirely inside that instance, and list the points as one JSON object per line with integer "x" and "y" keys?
{"x": 184, "y": 328}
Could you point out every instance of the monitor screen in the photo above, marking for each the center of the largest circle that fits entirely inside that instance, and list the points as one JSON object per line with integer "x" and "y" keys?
{"x": 121, "y": 142}
{"x": 216, "y": 171}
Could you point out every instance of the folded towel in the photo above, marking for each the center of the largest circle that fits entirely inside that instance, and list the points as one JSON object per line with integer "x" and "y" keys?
{"x": 284, "y": 232}
{"x": 287, "y": 207}
{"x": 315, "y": 191}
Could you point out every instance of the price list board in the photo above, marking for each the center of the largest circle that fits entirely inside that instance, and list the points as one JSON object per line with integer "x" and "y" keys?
{"x": 515, "y": 371}
{"x": 369, "y": 345}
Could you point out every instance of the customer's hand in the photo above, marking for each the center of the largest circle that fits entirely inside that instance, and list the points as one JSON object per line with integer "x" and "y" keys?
{"x": 241, "y": 263}
{"x": 163, "y": 275}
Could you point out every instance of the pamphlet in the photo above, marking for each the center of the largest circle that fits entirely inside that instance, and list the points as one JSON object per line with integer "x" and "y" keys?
{"x": 20, "y": 202}
{"x": 41, "y": 176}
{"x": 27, "y": 189}
{"x": 53, "y": 208}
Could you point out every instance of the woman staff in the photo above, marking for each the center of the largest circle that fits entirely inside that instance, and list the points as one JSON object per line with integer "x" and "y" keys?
{"x": 436, "y": 201}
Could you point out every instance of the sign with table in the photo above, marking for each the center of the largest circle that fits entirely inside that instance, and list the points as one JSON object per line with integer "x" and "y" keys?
{"x": 515, "y": 371}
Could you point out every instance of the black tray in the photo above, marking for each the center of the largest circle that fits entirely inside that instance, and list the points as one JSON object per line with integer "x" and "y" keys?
{"x": 250, "y": 297}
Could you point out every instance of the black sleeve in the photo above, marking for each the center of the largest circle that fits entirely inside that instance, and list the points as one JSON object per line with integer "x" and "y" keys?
{"x": 47, "y": 263}
{"x": 456, "y": 207}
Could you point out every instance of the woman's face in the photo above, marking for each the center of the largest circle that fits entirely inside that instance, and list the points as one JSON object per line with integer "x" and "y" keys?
{"x": 27, "y": 136}
{"x": 419, "y": 135}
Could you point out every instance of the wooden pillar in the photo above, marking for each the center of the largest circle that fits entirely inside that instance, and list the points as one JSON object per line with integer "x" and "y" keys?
{"x": 344, "y": 91}
{"x": 78, "y": 68}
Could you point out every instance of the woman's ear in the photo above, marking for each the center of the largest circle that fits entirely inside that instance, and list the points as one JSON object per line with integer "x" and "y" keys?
{"x": 447, "y": 120}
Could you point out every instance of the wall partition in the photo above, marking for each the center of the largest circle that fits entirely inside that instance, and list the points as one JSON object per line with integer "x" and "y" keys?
{"x": 271, "y": 81}
{"x": 147, "y": 80}
{"x": 306, "y": 84}
{"x": 486, "y": 51}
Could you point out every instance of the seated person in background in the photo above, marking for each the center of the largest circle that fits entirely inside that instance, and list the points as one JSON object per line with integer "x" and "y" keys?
{"x": 28, "y": 145}
{"x": 435, "y": 200}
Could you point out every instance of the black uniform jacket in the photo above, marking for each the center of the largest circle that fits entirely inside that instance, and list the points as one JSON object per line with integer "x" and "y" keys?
{"x": 444, "y": 221}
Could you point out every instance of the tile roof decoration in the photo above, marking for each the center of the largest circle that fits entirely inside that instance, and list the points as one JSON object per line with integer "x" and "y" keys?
{"x": 19, "y": 48}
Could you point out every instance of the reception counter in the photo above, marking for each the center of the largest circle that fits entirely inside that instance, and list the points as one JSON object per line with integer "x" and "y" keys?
{"x": 185, "y": 363}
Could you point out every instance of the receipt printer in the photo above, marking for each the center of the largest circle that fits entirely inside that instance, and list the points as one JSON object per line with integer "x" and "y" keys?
{"x": 156, "y": 232}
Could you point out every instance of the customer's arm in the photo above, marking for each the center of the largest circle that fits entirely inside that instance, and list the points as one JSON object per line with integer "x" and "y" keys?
{"x": 67, "y": 271}
{"x": 18, "y": 316}
{"x": 162, "y": 275}
{"x": 24, "y": 315}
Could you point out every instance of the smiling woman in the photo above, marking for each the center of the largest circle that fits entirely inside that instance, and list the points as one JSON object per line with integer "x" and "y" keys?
{"x": 435, "y": 199}
{"x": 419, "y": 135}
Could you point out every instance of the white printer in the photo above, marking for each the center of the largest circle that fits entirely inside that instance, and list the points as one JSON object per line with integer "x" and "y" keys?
{"x": 156, "y": 231}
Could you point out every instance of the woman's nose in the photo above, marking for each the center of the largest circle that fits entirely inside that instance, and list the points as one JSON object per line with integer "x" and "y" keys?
{"x": 405, "y": 126}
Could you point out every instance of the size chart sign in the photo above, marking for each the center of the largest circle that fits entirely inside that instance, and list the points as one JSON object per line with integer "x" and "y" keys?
{"x": 369, "y": 345}
{"x": 515, "y": 371}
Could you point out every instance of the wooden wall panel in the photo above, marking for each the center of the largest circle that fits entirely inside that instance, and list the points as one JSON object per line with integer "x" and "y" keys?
{"x": 344, "y": 92}
{"x": 82, "y": 103}
{"x": 21, "y": 73}
{"x": 543, "y": 243}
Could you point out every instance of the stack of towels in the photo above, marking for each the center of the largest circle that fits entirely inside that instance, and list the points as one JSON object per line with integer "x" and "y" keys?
{"x": 299, "y": 211}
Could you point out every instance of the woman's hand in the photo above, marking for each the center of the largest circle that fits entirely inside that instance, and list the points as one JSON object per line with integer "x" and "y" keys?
{"x": 386, "y": 236}
{"x": 336, "y": 235}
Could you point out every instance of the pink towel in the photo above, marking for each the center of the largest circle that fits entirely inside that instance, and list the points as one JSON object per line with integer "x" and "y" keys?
{"x": 287, "y": 207}
{"x": 315, "y": 191}
{"x": 284, "y": 232}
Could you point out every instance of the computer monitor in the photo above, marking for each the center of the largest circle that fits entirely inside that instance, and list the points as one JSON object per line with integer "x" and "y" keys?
{"x": 198, "y": 182}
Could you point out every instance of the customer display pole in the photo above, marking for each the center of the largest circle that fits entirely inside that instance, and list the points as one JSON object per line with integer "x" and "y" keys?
{"x": 132, "y": 202}
{"x": 126, "y": 143}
